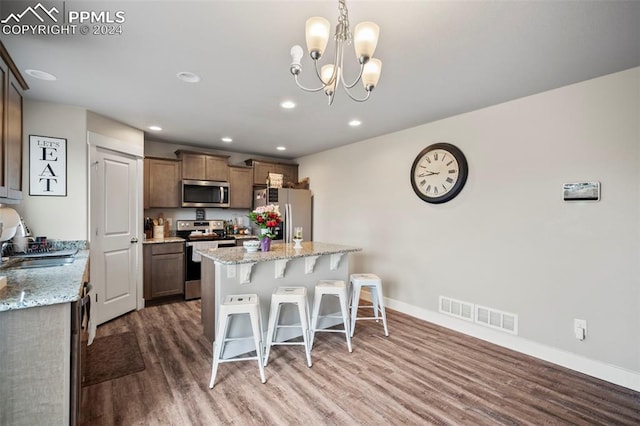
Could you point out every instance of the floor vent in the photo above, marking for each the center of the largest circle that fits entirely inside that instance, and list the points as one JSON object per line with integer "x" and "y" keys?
{"x": 456, "y": 308}
{"x": 499, "y": 320}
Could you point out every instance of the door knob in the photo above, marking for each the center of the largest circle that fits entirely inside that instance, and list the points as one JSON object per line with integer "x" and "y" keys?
{"x": 134, "y": 240}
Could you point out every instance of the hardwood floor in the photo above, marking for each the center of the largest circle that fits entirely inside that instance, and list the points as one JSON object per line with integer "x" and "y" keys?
{"x": 420, "y": 374}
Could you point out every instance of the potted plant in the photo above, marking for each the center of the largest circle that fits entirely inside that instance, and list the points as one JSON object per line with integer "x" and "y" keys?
{"x": 267, "y": 218}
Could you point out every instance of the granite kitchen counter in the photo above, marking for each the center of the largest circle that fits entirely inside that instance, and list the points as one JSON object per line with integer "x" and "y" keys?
{"x": 244, "y": 237}
{"x": 163, "y": 240}
{"x": 279, "y": 251}
{"x": 31, "y": 287}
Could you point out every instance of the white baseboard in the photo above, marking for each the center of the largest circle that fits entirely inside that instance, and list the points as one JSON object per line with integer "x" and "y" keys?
{"x": 610, "y": 373}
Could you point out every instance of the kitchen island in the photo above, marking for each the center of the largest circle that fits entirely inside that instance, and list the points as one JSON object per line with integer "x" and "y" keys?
{"x": 228, "y": 271}
{"x": 37, "y": 353}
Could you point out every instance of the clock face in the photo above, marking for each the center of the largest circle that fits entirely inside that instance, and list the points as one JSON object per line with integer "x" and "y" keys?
{"x": 439, "y": 173}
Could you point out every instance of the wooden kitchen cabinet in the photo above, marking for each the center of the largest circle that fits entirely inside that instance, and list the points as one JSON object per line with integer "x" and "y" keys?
{"x": 200, "y": 166}
{"x": 261, "y": 170}
{"x": 163, "y": 269}
{"x": 12, "y": 86}
{"x": 289, "y": 172}
{"x": 162, "y": 182}
{"x": 240, "y": 187}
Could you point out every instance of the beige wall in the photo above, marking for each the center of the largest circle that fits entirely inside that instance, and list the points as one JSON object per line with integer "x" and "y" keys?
{"x": 133, "y": 138}
{"x": 57, "y": 217}
{"x": 508, "y": 241}
{"x": 66, "y": 218}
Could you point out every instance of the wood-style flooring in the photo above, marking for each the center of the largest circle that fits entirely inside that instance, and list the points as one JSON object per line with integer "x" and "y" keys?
{"x": 420, "y": 374}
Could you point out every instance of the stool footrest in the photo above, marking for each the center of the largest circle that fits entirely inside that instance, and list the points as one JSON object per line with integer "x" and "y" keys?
{"x": 324, "y": 330}
{"x": 250, "y": 358}
{"x": 287, "y": 343}
{"x": 235, "y": 339}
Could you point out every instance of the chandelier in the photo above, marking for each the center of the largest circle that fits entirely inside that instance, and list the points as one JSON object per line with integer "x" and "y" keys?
{"x": 365, "y": 39}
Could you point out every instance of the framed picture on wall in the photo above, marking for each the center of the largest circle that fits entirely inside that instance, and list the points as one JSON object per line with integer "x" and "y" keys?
{"x": 47, "y": 166}
{"x": 581, "y": 191}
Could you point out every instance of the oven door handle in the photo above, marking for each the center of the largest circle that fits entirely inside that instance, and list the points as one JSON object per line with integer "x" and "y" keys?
{"x": 221, "y": 243}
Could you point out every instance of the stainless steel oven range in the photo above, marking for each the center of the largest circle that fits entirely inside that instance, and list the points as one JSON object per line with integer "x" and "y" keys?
{"x": 194, "y": 232}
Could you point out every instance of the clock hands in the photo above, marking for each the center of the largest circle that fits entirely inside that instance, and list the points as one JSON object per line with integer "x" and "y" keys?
{"x": 428, "y": 173}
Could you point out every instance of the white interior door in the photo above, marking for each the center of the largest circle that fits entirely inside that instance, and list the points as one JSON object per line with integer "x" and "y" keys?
{"x": 114, "y": 229}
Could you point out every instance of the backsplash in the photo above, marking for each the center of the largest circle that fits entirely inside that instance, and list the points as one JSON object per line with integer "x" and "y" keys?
{"x": 68, "y": 244}
{"x": 50, "y": 245}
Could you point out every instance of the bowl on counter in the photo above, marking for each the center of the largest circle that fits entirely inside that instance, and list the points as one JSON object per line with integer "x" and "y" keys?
{"x": 251, "y": 246}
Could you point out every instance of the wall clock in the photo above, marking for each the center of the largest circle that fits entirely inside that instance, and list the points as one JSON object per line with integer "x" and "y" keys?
{"x": 439, "y": 173}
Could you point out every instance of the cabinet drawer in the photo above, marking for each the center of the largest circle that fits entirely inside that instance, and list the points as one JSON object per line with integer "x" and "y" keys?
{"x": 165, "y": 248}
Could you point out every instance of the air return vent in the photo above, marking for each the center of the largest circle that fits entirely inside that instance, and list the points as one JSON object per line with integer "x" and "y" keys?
{"x": 499, "y": 320}
{"x": 456, "y": 308}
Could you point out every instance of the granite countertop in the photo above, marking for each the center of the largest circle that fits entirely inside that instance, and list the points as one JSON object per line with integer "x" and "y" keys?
{"x": 30, "y": 287}
{"x": 244, "y": 237}
{"x": 238, "y": 255}
{"x": 163, "y": 240}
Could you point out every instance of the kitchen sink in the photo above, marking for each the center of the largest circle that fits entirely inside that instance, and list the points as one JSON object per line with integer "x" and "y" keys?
{"x": 41, "y": 262}
{"x": 36, "y": 262}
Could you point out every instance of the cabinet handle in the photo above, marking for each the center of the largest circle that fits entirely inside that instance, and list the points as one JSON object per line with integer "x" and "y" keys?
{"x": 134, "y": 240}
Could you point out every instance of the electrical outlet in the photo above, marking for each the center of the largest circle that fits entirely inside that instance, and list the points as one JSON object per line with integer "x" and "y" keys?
{"x": 580, "y": 328}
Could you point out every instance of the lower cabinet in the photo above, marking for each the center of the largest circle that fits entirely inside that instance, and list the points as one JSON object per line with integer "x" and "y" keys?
{"x": 163, "y": 265}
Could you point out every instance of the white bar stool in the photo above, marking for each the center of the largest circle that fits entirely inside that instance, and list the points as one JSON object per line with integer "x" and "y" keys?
{"x": 237, "y": 304}
{"x": 374, "y": 283}
{"x": 280, "y": 296}
{"x": 331, "y": 288}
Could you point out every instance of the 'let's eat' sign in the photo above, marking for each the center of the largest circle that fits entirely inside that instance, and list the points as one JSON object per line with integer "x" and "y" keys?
{"x": 47, "y": 166}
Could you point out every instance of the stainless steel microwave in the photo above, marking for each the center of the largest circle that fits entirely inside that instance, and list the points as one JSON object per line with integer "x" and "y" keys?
{"x": 205, "y": 193}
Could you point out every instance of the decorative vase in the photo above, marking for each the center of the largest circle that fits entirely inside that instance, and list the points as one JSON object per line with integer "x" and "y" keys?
{"x": 265, "y": 244}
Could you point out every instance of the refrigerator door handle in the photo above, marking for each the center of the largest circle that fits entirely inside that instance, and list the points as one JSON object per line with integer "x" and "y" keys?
{"x": 289, "y": 223}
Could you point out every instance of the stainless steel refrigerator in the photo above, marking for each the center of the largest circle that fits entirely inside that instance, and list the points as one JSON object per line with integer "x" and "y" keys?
{"x": 295, "y": 207}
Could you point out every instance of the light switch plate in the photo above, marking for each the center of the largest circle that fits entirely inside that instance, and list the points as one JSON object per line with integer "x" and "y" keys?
{"x": 580, "y": 328}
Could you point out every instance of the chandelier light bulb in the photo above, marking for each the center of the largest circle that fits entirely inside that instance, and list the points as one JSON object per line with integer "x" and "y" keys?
{"x": 326, "y": 73}
{"x": 371, "y": 73}
{"x": 296, "y": 58}
{"x": 365, "y": 40}
{"x": 317, "y": 34}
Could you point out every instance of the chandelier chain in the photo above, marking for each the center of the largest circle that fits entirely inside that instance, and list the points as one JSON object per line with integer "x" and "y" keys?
{"x": 342, "y": 29}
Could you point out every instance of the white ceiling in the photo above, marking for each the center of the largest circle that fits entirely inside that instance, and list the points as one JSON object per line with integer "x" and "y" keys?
{"x": 440, "y": 58}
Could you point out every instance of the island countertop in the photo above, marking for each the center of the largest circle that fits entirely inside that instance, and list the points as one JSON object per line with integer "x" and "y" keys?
{"x": 279, "y": 251}
{"x": 30, "y": 287}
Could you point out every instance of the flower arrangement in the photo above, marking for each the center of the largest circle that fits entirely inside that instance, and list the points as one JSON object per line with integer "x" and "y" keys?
{"x": 266, "y": 217}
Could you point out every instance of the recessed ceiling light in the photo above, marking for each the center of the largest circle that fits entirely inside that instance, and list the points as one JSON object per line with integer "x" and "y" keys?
{"x": 41, "y": 75}
{"x": 226, "y": 139}
{"x": 288, "y": 104}
{"x": 281, "y": 148}
{"x": 188, "y": 77}
{"x": 355, "y": 123}
{"x": 155, "y": 128}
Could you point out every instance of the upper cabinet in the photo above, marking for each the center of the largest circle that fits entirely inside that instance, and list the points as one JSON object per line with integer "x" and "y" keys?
{"x": 240, "y": 187}
{"x": 12, "y": 86}
{"x": 261, "y": 170}
{"x": 163, "y": 176}
{"x": 199, "y": 166}
{"x": 161, "y": 183}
